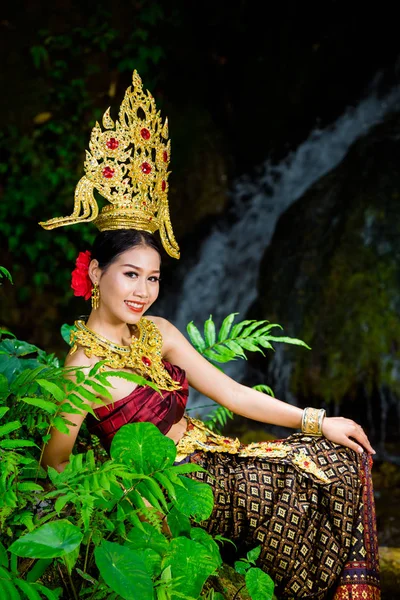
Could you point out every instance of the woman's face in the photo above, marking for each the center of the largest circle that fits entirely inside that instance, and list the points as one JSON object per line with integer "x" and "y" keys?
{"x": 130, "y": 285}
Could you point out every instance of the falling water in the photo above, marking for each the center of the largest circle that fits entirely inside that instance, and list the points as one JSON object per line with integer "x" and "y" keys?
{"x": 224, "y": 280}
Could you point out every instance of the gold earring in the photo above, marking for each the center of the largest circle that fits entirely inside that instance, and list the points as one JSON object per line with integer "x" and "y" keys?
{"x": 95, "y": 296}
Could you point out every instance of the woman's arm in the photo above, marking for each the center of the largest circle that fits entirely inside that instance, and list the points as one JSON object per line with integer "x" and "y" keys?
{"x": 246, "y": 401}
{"x": 58, "y": 449}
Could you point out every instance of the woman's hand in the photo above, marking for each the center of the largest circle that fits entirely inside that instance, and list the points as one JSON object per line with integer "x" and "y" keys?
{"x": 347, "y": 433}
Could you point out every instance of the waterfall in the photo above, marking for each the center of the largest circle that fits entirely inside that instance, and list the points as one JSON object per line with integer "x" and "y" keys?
{"x": 224, "y": 280}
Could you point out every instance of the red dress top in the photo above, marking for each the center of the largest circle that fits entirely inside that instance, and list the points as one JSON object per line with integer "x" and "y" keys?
{"x": 143, "y": 404}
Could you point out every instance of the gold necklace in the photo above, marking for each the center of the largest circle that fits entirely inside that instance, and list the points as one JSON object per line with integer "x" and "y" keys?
{"x": 143, "y": 355}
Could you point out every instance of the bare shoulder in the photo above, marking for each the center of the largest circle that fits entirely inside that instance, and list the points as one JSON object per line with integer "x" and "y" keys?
{"x": 170, "y": 334}
{"x": 79, "y": 359}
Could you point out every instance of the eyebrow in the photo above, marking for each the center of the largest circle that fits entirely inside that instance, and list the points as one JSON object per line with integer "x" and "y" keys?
{"x": 140, "y": 268}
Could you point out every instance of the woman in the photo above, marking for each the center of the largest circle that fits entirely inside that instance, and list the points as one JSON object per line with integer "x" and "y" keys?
{"x": 307, "y": 500}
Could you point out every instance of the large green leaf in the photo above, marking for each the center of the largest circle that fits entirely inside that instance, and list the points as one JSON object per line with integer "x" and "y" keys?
{"x": 191, "y": 564}
{"x": 57, "y": 538}
{"x": 124, "y": 571}
{"x": 194, "y": 499}
{"x": 201, "y": 536}
{"x": 143, "y": 447}
{"x": 259, "y": 584}
{"x": 148, "y": 537}
{"x": 178, "y": 523}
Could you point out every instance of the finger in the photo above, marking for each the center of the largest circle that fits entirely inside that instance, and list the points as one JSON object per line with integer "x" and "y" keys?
{"x": 354, "y": 446}
{"x": 361, "y": 437}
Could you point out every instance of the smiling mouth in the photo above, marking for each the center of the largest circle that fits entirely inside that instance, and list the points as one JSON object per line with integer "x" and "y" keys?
{"x": 135, "y": 306}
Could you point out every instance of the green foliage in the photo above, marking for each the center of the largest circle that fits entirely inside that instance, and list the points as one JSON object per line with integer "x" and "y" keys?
{"x": 259, "y": 585}
{"x": 101, "y": 522}
{"x": 5, "y": 273}
{"x": 234, "y": 340}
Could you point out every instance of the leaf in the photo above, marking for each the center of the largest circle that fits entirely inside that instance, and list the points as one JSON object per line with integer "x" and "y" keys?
{"x": 226, "y": 327}
{"x": 239, "y": 327}
{"x": 100, "y": 389}
{"x": 265, "y": 343}
{"x": 209, "y": 331}
{"x": 252, "y": 328}
{"x": 29, "y": 486}
{"x": 143, "y": 447}
{"x": 133, "y": 377}
{"x": 4, "y": 391}
{"x": 54, "y": 594}
{"x": 259, "y": 584}
{"x": 7, "y": 586}
{"x": 52, "y": 388}
{"x": 38, "y": 569}
{"x": 196, "y": 337}
{"x": 27, "y": 589}
{"x": 5, "y": 273}
{"x": 248, "y": 345}
{"x": 236, "y": 348}
{"x": 178, "y": 523}
{"x": 194, "y": 499}
{"x": 202, "y": 537}
{"x": 289, "y": 340}
{"x": 191, "y": 565}
{"x": 265, "y": 389}
{"x": 45, "y": 405}
{"x": 222, "y": 356}
{"x": 9, "y": 427}
{"x": 66, "y": 332}
{"x": 71, "y": 558}
{"x": 61, "y": 425}
{"x": 3, "y": 556}
{"x": 148, "y": 537}
{"x": 3, "y": 411}
{"x": 57, "y": 538}
{"x": 187, "y": 468}
{"x": 241, "y": 567}
{"x": 166, "y": 483}
{"x": 254, "y": 553}
{"x": 124, "y": 571}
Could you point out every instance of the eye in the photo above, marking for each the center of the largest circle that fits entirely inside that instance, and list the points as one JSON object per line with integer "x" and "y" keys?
{"x": 131, "y": 274}
{"x": 154, "y": 279}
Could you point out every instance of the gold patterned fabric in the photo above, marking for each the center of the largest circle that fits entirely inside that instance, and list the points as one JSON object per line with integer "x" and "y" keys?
{"x": 302, "y": 500}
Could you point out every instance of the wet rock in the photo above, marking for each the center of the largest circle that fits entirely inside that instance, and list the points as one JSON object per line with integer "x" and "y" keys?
{"x": 331, "y": 277}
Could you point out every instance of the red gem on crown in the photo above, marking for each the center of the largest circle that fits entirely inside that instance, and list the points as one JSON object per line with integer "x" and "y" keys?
{"x": 306, "y": 463}
{"x": 146, "y": 361}
{"x": 163, "y": 185}
{"x": 146, "y": 168}
{"x": 112, "y": 144}
{"x": 145, "y": 133}
{"x": 165, "y": 156}
{"x": 108, "y": 172}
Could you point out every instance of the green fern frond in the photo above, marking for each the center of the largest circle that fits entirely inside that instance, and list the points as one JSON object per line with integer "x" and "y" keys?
{"x": 232, "y": 341}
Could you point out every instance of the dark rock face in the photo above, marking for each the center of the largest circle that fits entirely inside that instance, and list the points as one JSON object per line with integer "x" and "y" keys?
{"x": 331, "y": 277}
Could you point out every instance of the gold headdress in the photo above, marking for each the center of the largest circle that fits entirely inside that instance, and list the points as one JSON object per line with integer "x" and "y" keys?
{"x": 127, "y": 164}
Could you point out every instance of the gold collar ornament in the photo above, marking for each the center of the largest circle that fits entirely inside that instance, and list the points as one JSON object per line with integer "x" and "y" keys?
{"x": 128, "y": 165}
{"x": 143, "y": 355}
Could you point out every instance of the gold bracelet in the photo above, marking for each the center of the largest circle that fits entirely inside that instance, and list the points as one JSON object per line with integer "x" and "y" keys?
{"x": 311, "y": 422}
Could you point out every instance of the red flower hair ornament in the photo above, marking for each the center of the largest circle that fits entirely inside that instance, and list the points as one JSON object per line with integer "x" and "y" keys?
{"x": 81, "y": 282}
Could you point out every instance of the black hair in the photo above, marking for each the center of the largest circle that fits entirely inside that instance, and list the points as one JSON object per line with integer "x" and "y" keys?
{"x": 108, "y": 245}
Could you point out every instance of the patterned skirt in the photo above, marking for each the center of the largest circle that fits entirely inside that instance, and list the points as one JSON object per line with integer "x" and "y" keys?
{"x": 307, "y": 501}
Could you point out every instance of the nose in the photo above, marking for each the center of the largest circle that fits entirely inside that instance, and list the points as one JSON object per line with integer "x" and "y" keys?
{"x": 141, "y": 289}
